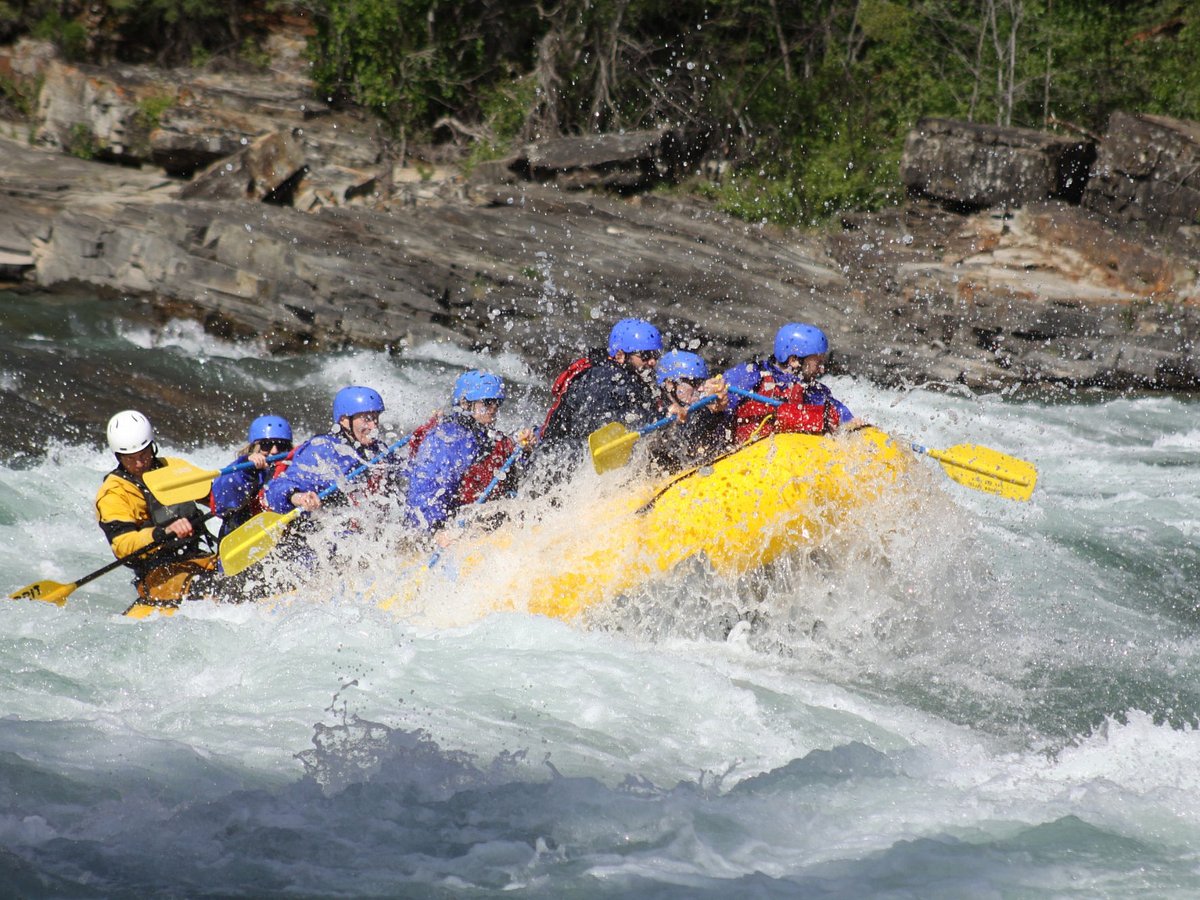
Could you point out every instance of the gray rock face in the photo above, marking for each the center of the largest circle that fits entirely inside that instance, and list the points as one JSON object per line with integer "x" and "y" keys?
{"x": 979, "y": 166}
{"x": 1018, "y": 285}
{"x": 1148, "y": 171}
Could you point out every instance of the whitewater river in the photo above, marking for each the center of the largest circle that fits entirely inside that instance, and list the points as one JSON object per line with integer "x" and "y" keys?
{"x": 960, "y": 697}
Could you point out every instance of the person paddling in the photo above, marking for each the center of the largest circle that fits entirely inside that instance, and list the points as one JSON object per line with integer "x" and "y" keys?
{"x": 322, "y": 460}
{"x": 132, "y": 519}
{"x": 792, "y": 375}
{"x": 458, "y": 455}
{"x": 602, "y": 387}
{"x": 682, "y": 380}
{"x": 237, "y": 496}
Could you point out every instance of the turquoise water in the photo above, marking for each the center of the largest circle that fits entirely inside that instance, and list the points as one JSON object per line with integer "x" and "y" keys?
{"x": 959, "y": 696}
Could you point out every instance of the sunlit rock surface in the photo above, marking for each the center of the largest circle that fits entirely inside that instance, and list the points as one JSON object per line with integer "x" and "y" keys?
{"x": 306, "y": 232}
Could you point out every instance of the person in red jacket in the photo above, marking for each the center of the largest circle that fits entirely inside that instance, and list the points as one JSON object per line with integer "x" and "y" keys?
{"x": 791, "y": 375}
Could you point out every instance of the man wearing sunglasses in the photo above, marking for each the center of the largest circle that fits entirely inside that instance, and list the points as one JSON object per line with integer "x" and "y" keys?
{"x": 602, "y": 388}
{"x": 707, "y": 432}
{"x": 237, "y": 496}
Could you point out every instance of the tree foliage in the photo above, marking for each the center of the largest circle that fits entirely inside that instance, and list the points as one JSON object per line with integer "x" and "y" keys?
{"x": 807, "y": 101}
{"x": 810, "y": 100}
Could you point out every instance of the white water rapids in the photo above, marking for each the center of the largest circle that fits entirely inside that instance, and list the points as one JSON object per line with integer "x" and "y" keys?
{"x": 960, "y": 696}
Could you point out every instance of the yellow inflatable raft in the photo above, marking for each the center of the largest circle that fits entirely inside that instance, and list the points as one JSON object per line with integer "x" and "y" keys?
{"x": 741, "y": 512}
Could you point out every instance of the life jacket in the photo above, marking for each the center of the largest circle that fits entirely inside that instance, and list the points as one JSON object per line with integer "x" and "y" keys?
{"x": 195, "y": 548}
{"x": 157, "y": 512}
{"x": 481, "y": 472}
{"x": 489, "y": 457}
{"x": 422, "y": 432}
{"x": 559, "y": 388}
{"x": 754, "y": 419}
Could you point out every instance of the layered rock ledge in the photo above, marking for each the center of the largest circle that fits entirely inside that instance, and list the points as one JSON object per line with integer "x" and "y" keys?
{"x": 1020, "y": 258}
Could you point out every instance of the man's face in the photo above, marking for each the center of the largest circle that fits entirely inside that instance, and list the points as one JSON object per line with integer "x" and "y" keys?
{"x": 807, "y": 367}
{"x": 363, "y": 427}
{"x": 641, "y": 361}
{"x": 685, "y": 391}
{"x": 483, "y": 411}
{"x": 137, "y": 464}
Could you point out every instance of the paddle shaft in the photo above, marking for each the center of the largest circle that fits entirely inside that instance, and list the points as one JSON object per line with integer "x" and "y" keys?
{"x": 663, "y": 423}
{"x": 750, "y": 395}
{"x": 233, "y": 467}
{"x": 32, "y": 591}
{"x": 994, "y": 473}
{"x": 499, "y": 476}
{"x": 354, "y": 473}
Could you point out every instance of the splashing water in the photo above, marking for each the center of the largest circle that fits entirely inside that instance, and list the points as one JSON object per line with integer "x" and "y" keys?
{"x": 952, "y": 696}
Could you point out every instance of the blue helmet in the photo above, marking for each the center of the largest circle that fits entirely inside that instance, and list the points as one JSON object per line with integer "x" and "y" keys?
{"x": 350, "y": 401}
{"x": 476, "y": 385}
{"x": 633, "y": 336}
{"x": 677, "y": 364}
{"x": 269, "y": 427}
{"x": 798, "y": 339}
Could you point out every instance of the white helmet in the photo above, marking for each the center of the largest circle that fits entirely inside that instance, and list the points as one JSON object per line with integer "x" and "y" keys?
{"x": 129, "y": 431}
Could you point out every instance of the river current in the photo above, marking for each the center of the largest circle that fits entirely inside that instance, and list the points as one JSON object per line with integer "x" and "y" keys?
{"x": 959, "y": 696}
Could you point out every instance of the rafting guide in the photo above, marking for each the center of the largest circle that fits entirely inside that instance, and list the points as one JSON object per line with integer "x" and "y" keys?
{"x": 134, "y": 520}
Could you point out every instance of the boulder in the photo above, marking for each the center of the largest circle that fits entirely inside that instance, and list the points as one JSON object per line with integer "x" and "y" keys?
{"x": 267, "y": 168}
{"x": 97, "y": 113}
{"x": 629, "y": 161}
{"x": 184, "y": 121}
{"x": 973, "y": 166}
{"x": 1147, "y": 172}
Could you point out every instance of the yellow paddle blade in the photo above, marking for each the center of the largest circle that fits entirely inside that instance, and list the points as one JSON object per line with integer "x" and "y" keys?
{"x": 247, "y": 544}
{"x": 49, "y": 591}
{"x": 178, "y": 482}
{"x": 140, "y": 610}
{"x": 611, "y": 446}
{"x": 988, "y": 470}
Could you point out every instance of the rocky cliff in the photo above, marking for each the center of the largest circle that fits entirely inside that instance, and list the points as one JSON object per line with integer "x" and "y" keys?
{"x": 1021, "y": 257}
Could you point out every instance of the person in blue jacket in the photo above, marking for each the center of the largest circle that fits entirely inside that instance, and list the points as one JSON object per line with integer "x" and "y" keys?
{"x": 458, "y": 457}
{"x": 706, "y": 432}
{"x": 617, "y": 386}
{"x": 792, "y": 377}
{"x": 326, "y": 459}
{"x": 236, "y": 496}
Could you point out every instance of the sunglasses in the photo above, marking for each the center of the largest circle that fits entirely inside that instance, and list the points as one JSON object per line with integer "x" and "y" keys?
{"x": 647, "y": 355}
{"x": 282, "y": 446}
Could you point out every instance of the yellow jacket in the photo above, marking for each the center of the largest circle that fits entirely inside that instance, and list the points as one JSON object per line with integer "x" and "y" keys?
{"x": 121, "y": 505}
{"x": 132, "y": 519}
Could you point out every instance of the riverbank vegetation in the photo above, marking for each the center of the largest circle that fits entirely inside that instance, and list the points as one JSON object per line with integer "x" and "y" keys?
{"x": 804, "y": 103}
